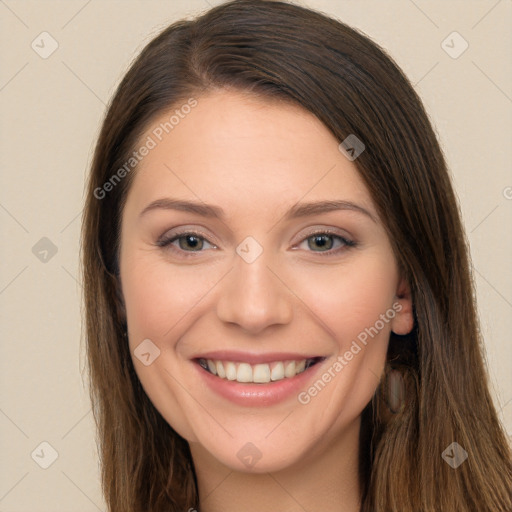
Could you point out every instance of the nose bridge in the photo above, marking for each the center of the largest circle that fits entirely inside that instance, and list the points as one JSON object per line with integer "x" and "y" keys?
{"x": 253, "y": 297}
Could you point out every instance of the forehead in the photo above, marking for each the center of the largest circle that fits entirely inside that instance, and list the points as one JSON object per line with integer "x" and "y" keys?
{"x": 240, "y": 150}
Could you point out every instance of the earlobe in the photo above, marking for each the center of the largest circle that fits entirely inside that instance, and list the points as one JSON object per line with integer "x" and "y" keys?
{"x": 403, "y": 322}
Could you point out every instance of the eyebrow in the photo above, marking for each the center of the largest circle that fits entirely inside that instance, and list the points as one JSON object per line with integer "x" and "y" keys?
{"x": 216, "y": 212}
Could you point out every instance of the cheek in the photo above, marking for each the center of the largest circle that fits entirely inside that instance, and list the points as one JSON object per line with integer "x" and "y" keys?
{"x": 350, "y": 299}
{"x": 158, "y": 297}
{"x": 355, "y": 304}
{"x": 158, "y": 300}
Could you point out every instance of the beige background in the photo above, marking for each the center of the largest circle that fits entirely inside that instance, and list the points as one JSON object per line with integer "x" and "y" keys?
{"x": 51, "y": 111}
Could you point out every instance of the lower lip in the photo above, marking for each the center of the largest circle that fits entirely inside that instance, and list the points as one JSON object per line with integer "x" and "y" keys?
{"x": 257, "y": 395}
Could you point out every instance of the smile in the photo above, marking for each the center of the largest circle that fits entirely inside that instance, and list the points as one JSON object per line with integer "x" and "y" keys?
{"x": 262, "y": 373}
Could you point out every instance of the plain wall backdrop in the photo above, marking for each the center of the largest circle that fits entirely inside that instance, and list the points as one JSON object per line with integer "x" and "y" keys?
{"x": 60, "y": 64}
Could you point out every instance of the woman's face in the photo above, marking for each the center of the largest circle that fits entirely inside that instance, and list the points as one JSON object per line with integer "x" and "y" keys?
{"x": 258, "y": 327}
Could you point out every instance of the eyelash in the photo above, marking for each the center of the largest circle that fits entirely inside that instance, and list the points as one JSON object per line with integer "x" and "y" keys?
{"x": 166, "y": 242}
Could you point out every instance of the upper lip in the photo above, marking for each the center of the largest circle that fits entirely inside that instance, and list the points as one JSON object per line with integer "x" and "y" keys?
{"x": 253, "y": 358}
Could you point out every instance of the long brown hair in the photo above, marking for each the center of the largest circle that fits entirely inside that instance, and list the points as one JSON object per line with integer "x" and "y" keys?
{"x": 279, "y": 50}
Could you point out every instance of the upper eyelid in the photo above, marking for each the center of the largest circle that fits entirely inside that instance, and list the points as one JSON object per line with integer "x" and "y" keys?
{"x": 180, "y": 233}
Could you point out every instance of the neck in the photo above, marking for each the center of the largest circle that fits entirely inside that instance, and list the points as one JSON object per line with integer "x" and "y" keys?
{"x": 326, "y": 481}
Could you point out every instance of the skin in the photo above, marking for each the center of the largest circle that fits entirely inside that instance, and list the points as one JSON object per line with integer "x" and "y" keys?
{"x": 256, "y": 159}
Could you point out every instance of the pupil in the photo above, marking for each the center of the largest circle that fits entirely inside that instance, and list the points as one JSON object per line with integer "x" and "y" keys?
{"x": 320, "y": 241}
{"x": 192, "y": 241}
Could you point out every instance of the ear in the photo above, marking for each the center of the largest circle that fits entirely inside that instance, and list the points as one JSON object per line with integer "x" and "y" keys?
{"x": 403, "y": 322}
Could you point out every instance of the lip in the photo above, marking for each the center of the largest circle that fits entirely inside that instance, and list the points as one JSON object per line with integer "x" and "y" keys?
{"x": 258, "y": 395}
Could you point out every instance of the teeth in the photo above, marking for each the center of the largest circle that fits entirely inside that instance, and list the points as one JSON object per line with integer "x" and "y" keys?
{"x": 211, "y": 366}
{"x": 244, "y": 373}
{"x": 258, "y": 373}
{"x": 261, "y": 373}
{"x": 220, "y": 370}
{"x": 277, "y": 372}
{"x": 230, "y": 370}
{"x": 289, "y": 369}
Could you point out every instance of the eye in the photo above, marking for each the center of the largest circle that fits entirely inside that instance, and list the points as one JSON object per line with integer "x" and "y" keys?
{"x": 187, "y": 242}
{"x": 325, "y": 240}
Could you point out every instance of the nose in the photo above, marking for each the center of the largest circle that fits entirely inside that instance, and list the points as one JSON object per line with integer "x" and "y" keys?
{"x": 254, "y": 296}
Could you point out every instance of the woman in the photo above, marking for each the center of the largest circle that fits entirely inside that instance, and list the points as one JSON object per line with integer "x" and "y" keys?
{"x": 232, "y": 364}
